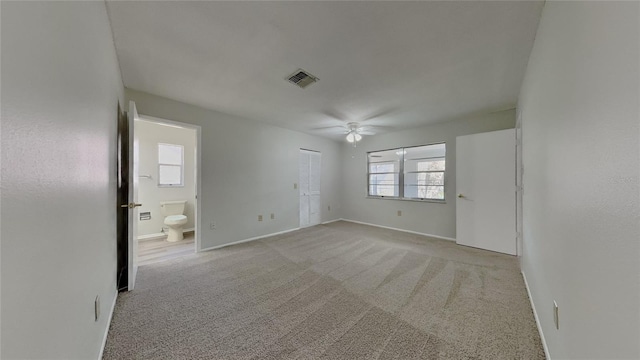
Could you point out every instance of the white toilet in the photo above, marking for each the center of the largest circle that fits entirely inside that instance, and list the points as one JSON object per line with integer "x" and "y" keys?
{"x": 174, "y": 218}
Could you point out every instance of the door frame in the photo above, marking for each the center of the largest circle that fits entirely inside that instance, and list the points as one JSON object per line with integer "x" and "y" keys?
{"x": 198, "y": 163}
{"x": 519, "y": 188}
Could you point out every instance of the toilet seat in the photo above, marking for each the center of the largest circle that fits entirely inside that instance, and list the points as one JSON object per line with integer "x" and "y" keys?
{"x": 175, "y": 220}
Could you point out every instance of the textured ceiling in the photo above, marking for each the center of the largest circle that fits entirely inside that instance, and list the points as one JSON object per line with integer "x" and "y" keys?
{"x": 390, "y": 64}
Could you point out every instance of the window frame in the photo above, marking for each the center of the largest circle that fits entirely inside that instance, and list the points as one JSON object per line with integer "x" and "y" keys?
{"x": 181, "y": 166}
{"x": 401, "y": 175}
{"x": 369, "y": 173}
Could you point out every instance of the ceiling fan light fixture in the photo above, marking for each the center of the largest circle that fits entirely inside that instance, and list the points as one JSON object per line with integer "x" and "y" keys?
{"x": 351, "y": 137}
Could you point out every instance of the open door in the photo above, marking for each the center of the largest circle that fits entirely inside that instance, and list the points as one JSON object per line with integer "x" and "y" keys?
{"x": 122, "y": 197}
{"x": 486, "y": 185}
{"x": 132, "y": 205}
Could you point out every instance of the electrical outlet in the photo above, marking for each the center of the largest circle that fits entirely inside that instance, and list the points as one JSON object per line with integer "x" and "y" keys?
{"x": 556, "y": 319}
{"x": 212, "y": 225}
{"x": 273, "y": 216}
{"x": 96, "y": 307}
{"x": 399, "y": 212}
{"x": 259, "y": 217}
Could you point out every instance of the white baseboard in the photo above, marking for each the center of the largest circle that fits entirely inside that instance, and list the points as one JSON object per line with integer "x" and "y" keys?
{"x": 535, "y": 315}
{"x": 331, "y": 221}
{"x": 161, "y": 235}
{"x": 326, "y": 222}
{"x": 151, "y": 236}
{"x": 403, "y": 230}
{"x": 106, "y": 331}
{"x": 247, "y": 240}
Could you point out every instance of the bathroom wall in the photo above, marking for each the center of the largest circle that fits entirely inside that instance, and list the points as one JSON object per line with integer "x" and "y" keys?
{"x": 149, "y": 193}
{"x": 61, "y": 86}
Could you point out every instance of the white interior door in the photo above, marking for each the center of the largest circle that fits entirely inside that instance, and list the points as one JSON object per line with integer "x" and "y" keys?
{"x": 304, "y": 188}
{"x": 314, "y": 188}
{"x": 133, "y": 197}
{"x": 310, "y": 165}
{"x": 485, "y": 182}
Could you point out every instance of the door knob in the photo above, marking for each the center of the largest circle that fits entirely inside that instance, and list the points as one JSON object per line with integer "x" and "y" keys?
{"x": 460, "y": 196}
{"x": 130, "y": 205}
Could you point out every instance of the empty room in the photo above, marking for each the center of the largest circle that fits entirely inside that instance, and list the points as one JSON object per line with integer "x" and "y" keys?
{"x": 320, "y": 179}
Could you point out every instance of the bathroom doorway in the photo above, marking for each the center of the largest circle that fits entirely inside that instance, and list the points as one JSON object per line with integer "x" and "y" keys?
{"x": 168, "y": 188}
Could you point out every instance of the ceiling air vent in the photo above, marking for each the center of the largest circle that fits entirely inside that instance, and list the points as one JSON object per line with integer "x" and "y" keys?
{"x": 302, "y": 78}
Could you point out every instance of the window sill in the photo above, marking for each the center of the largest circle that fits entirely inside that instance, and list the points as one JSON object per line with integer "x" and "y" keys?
{"x": 407, "y": 199}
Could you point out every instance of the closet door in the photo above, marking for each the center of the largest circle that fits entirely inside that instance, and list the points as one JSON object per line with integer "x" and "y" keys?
{"x": 314, "y": 188}
{"x": 304, "y": 188}
{"x": 310, "y": 165}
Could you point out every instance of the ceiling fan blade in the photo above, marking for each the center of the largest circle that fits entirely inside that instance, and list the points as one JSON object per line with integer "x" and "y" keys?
{"x": 328, "y": 127}
{"x": 375, "y": 129}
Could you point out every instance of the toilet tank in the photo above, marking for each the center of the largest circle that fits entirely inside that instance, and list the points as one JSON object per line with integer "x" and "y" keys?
{"x": 172, "y": 207}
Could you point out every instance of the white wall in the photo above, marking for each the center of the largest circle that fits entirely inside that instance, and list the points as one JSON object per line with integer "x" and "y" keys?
{"x": 60, "y": 89}
{"x": 248, "y": 169}
{"x": 149, "y": 193}
{"x": 580, "y": 117}
{"x": 425, "y": 217}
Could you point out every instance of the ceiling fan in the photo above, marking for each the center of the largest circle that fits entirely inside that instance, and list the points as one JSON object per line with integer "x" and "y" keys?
{"x": 354, "y": 132}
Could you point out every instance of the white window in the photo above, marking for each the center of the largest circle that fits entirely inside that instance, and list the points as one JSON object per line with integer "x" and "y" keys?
{"x": 170, "y": 165}
{"x": 424, "y": 172}
{"x": 384, "y": 173}
{"x": 408, "y": 173}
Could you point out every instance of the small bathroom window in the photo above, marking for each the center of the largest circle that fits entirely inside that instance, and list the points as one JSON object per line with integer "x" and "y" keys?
{"x": 170, "y": 165}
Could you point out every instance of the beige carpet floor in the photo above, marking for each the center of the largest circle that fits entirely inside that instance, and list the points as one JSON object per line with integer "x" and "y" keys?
{"x": 336, "y": 291}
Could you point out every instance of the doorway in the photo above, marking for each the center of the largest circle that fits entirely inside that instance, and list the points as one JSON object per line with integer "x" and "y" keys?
{"x": 173, "y": 174}
{"x": 167, "y": 189}
{"x": 310, "y": 173}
